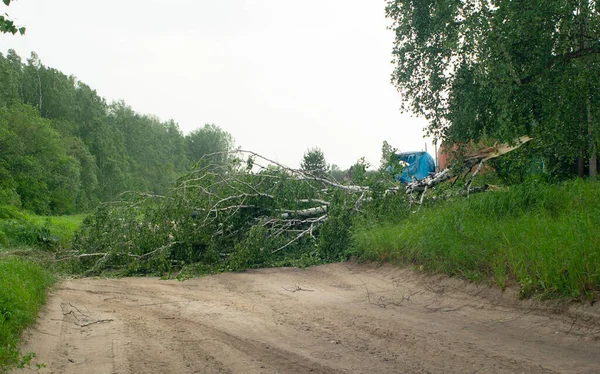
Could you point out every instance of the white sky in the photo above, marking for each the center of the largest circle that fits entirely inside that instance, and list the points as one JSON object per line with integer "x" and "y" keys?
{"x": 281, "y": 76}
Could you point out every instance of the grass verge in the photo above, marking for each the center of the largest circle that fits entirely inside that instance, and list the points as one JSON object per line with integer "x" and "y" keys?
{"x": 546, "y": 238}
{"x": 23, "y": 286}
{"x": 27, "y": 248}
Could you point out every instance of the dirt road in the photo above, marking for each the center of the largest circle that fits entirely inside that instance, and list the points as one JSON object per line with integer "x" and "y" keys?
{"x": 340, "y": 318}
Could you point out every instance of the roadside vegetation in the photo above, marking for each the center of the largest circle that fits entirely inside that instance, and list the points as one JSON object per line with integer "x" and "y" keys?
{"x": 20, "y": 229}
{"x": 29, "y": 245}
{"x": 544, "y": 238}
{"x": 23, "y": 287}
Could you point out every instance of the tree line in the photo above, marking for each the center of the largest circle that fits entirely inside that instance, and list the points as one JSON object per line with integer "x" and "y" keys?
{"x": 64, "y": 149}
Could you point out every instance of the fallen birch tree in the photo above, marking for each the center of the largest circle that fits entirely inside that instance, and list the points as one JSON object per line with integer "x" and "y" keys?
{"x": 246, "y": 212}
{"x": 420, "y": 187}
{"x": 250, "y": 206}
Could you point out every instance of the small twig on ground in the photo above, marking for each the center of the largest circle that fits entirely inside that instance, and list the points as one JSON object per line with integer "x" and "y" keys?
{"x": 71, "y": 313}
{"x": 298, "y": 288}
{"x": 168, "y": 302}
{"x": 381, "y": 301}
{"x": 573, "y": 324}
{"x": 441, "y": 309}
{"x": 77, "y": 309}
{"x": 93, "y": 322}
{"x": 429, "y": 287}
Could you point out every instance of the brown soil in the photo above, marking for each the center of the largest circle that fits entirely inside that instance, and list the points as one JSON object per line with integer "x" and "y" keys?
{"x": 340, "y": 318}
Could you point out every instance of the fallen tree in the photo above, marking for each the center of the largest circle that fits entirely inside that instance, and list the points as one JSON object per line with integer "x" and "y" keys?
{"x": 478, "y": 158}
{"x": 249, "y": 211}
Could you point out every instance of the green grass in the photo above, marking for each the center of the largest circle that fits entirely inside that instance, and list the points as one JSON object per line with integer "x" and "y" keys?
{"x": 62, "y": 227}
{"x": 25, "y": 279}
{"x": 23, "y": 286}
{"x": 22, "y": 229}
{"x": 545, "y": 238}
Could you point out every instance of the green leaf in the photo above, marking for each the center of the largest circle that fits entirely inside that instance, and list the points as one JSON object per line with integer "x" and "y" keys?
{"x": 7, "y": 2}
{"x": 21, "y": 30}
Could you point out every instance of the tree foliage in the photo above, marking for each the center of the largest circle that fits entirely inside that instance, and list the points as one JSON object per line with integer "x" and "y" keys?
{"x": 63, "y": 149}
{"x": 7, "y": 25}
{"x": 207, "y": 140}
{"x": 40, "y": 174}
{"x": 314, "y": 162}
{"x": 358, "y": 171}
{"x": 499, "y": 69}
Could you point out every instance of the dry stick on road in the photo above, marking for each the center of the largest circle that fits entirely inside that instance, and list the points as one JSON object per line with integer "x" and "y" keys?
{"x": 381, "y": 300}
{"x": 441, "y": 309}
{"x": 72, "y": 313}
{"x": 298, "y": 288}
{"x": 93, "y": 322}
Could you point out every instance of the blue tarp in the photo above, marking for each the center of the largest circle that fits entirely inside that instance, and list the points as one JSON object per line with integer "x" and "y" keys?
{"x": 418, "y": 165}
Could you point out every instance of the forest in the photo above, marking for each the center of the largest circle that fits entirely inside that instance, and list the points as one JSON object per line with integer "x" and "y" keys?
{"x": 64, "y": 149}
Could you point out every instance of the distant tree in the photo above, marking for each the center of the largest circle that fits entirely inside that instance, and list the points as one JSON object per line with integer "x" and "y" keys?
{"x": 36, "y": 163}
{"x": 390, "y": 163}
{"x": 314, "y": 162}
{"x": 336, "y": 173}
{"x": 154, "y": 149}
{"x": 7, "y": 25}
{"x": 388, "y": 153}
{"x": 358, "y": 171}
{"x": 9, "y": 84}
{"x": 208, "y": 140}
{"x": 64, "y": 149}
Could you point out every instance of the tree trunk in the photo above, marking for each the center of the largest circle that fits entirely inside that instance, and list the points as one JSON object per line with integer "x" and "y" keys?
{"x": 580, "y": 167}
{"x": 593, "y": 149}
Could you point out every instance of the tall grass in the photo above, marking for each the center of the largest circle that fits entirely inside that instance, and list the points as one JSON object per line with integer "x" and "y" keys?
{"x": 22, "y": 229}
{"x": 23, "y": 283}
{"x": 23, "y": 287}
{"x": 546, "y": 238}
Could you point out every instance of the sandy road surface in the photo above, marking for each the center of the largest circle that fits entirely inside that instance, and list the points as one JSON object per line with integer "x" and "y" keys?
{"x": 340, "y": 318}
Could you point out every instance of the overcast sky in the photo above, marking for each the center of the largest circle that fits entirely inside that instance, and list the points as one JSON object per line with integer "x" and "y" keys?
{"x": 281, "y": 76}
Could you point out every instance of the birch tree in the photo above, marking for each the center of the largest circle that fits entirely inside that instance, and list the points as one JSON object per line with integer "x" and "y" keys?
{"x": 500, "y": 69}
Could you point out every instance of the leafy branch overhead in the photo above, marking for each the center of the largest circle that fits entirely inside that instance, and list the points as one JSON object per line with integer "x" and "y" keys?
{"x": 497, "y": 70}
{"x": 7, "y": 25}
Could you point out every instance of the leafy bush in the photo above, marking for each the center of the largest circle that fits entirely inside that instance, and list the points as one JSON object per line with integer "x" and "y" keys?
{"x": 10, "y": 212}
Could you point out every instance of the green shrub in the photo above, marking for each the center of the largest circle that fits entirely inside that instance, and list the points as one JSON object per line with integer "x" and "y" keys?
{"x": 21, "y": 232}
{"x": 10, "y": 212}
